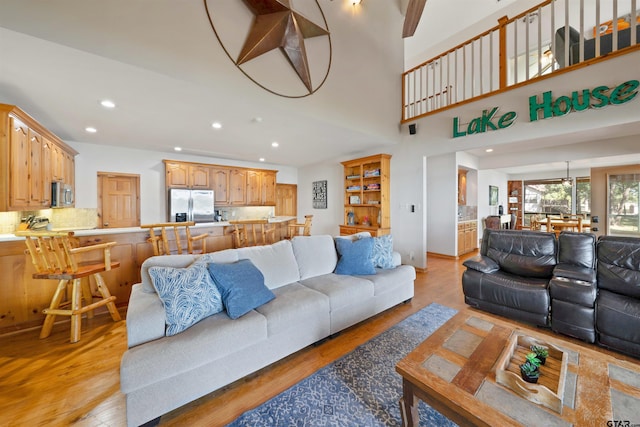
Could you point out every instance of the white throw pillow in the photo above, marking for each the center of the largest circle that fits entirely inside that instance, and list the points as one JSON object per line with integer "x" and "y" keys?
{"x": 316, "y": 255}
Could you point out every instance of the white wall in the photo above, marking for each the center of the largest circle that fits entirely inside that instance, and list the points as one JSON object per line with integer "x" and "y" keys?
{"x": 442, "y": 203}
{"x": 94, "y": 158}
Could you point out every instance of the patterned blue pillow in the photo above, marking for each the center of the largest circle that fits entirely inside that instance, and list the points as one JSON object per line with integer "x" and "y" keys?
{"x": 383, "y": 252}
{"x": 355, "y": 256}
{"x": 188, "y": 295}
{"x": 241, "y": 285}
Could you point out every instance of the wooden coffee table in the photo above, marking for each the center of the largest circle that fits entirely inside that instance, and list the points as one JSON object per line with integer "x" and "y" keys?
{"x": 454, "y": 371}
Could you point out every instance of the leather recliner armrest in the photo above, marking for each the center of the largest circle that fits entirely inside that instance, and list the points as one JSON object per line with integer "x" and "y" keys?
{"x": 482, "y": 264}
{"x": 575, "y": 272}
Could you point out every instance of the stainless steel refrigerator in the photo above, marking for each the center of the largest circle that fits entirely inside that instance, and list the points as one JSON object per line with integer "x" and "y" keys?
{"x": 191, "y": 205}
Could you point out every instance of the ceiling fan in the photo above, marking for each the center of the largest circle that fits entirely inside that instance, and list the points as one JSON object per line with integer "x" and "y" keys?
{"x": 412, "y": 17}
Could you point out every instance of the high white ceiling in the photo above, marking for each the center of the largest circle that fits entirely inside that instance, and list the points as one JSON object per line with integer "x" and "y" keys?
{"x": 170, "y": 78}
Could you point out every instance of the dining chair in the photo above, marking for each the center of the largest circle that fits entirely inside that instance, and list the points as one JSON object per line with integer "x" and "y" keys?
{"x": 57, "y": 255}
{"x": 252, "y": 232}
{"x": 163, "y": 246}
{"x": 294, "y": 229}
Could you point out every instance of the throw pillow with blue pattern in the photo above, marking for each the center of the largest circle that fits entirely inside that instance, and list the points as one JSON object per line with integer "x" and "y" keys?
{"x": 382, "y": 254}
{"x": 188, "y": 295}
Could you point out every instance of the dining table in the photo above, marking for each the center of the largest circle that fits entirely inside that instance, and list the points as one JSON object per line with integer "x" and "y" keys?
{"x": 557, "y": 225}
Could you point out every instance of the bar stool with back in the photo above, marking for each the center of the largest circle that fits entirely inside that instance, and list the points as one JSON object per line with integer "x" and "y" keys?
{"x": 54, "y": 257}
{"x": 252, "y": 232}
{"x": 162, "y": 245}
{"x": 294, "y": 229}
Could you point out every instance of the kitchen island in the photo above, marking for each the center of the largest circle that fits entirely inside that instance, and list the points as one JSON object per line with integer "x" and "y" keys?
{"x": 24, "y": 298}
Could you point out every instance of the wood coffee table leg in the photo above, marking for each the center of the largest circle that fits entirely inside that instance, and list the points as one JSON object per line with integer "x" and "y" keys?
{"x": 409, "y": 405}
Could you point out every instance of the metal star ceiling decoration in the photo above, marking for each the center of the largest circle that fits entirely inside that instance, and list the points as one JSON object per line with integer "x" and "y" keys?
{"x": 277, "y": 25}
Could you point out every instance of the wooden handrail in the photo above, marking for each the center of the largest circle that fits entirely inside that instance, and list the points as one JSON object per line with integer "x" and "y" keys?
{"x": 422, "y": 83}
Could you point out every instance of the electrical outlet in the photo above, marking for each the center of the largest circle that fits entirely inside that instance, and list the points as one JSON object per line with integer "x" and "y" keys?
{"x": 411, "y": 256}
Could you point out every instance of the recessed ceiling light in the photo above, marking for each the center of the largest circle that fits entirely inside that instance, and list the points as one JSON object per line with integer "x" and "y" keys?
{"x": 489, "y": 150}
{"x": 177, "y": 148}
{"x": 261, "y": 159}
{"x": 257, "y": 120}
{"x": 91, "y": 129}
{"x": 275, "y": 144}
{"x": 107, "y": 104}
{"x": 216, "y": 125}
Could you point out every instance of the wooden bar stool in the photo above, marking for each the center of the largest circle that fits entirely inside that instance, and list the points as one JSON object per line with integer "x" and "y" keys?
{"x": 294, "y": 229}
{"x": 252, "y": 232}
{"x": 54, "y": 257}
{"x": 161, "y": 245}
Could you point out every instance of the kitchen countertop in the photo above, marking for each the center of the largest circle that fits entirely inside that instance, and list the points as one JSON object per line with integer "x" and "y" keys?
{"x": 104, "y": 231}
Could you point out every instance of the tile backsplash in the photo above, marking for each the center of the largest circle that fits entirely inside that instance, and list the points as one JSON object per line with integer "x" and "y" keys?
{"x": 467, "y": 213}
{"x": 63, "y": 218}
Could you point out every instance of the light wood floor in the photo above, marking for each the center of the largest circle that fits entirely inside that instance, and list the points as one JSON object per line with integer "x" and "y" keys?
{"x": 52, "y": 382}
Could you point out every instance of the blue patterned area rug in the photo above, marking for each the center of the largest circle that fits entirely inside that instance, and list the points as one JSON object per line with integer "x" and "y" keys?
{"x": 360, "y": 389}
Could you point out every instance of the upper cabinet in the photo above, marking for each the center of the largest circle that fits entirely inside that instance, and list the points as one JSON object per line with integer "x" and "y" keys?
{"x": 366, "y": 195}
{"x": 32, "y": 157}
{"x": 232, "y": 186}
{"x": 187, "y": 175}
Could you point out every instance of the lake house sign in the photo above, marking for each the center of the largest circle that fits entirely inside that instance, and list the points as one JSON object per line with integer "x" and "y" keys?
{"x": 546, "y": 107}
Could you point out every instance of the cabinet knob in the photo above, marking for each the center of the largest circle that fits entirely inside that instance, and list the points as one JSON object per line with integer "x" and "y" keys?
{"x": 106, "y": 224}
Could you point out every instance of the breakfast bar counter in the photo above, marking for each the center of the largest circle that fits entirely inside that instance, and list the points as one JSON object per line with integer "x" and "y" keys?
{"x": 24, "y": 298}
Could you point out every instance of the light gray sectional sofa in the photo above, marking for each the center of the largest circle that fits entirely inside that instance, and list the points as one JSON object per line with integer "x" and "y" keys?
{"x": 160, "y": 373}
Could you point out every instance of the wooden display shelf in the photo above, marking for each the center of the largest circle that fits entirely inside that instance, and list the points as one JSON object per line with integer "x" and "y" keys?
{"x": 549, "y": 390}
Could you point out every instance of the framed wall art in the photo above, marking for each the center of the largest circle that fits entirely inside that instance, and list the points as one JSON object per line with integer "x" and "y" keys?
{"x": 493, "y": 195}
{"x": 319, "y": 192}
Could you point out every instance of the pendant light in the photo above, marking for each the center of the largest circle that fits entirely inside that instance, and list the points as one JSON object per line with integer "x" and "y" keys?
{"x": 567, "y": 181}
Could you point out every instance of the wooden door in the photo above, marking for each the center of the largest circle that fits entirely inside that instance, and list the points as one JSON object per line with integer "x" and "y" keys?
{"x": 220, "y": 185}
{"x": 286, "y": 200}
{"x": 238, "y": 187}
{"x": 254, "y": 189}
{"x": 118, "y": 200}
{"x": 19, "y": 166}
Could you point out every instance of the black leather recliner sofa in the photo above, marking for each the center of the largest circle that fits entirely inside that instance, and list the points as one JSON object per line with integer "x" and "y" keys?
{"x": 581, "y": 287}
{"x": 606, "y": 44}
{"x": 618, "y": 303}
{"x": 511, "y": 275}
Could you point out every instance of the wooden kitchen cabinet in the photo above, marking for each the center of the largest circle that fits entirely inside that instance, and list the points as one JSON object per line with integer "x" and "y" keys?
{"x": 467, "y": 237}
{"x": 232, "y": 186}
{"x": 187, "y": 175}
{"x": 220, "y": 185}
{"x": 29, "y": 161}
{"x": 268, "y": 188}
{"x": 238, "y": 187}
{"x": 261, "y": 188}
{"x": 254, "y": 188}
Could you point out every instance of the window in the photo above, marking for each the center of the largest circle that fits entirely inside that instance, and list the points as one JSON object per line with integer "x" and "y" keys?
{"x": 623, "y": 201}
{"x": 583, "y": 196}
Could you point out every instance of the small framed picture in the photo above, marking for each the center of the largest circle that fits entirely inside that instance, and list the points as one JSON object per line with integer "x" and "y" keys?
{"x": 354, "y": 200}
{"x": 493, "y": 195}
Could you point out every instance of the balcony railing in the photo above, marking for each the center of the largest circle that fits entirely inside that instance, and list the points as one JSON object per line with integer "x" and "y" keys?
{"x": 552, "y": 37}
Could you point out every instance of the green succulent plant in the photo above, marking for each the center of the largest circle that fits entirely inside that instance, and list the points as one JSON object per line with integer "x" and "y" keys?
{"x": 533, "y": 359}
{"x": 529, "y": 369}
{"x": 540, "y": 351}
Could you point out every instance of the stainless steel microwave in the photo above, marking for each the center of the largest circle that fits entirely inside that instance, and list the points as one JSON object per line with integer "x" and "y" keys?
{"x": 61, "y": 195}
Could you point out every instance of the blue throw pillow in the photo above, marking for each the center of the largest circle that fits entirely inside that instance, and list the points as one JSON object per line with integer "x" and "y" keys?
{"x": 355, "y": 256}
{"x": 188, "y": 295}
{"x": 383, "y": 252}
{"x": 241, "y": 285}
